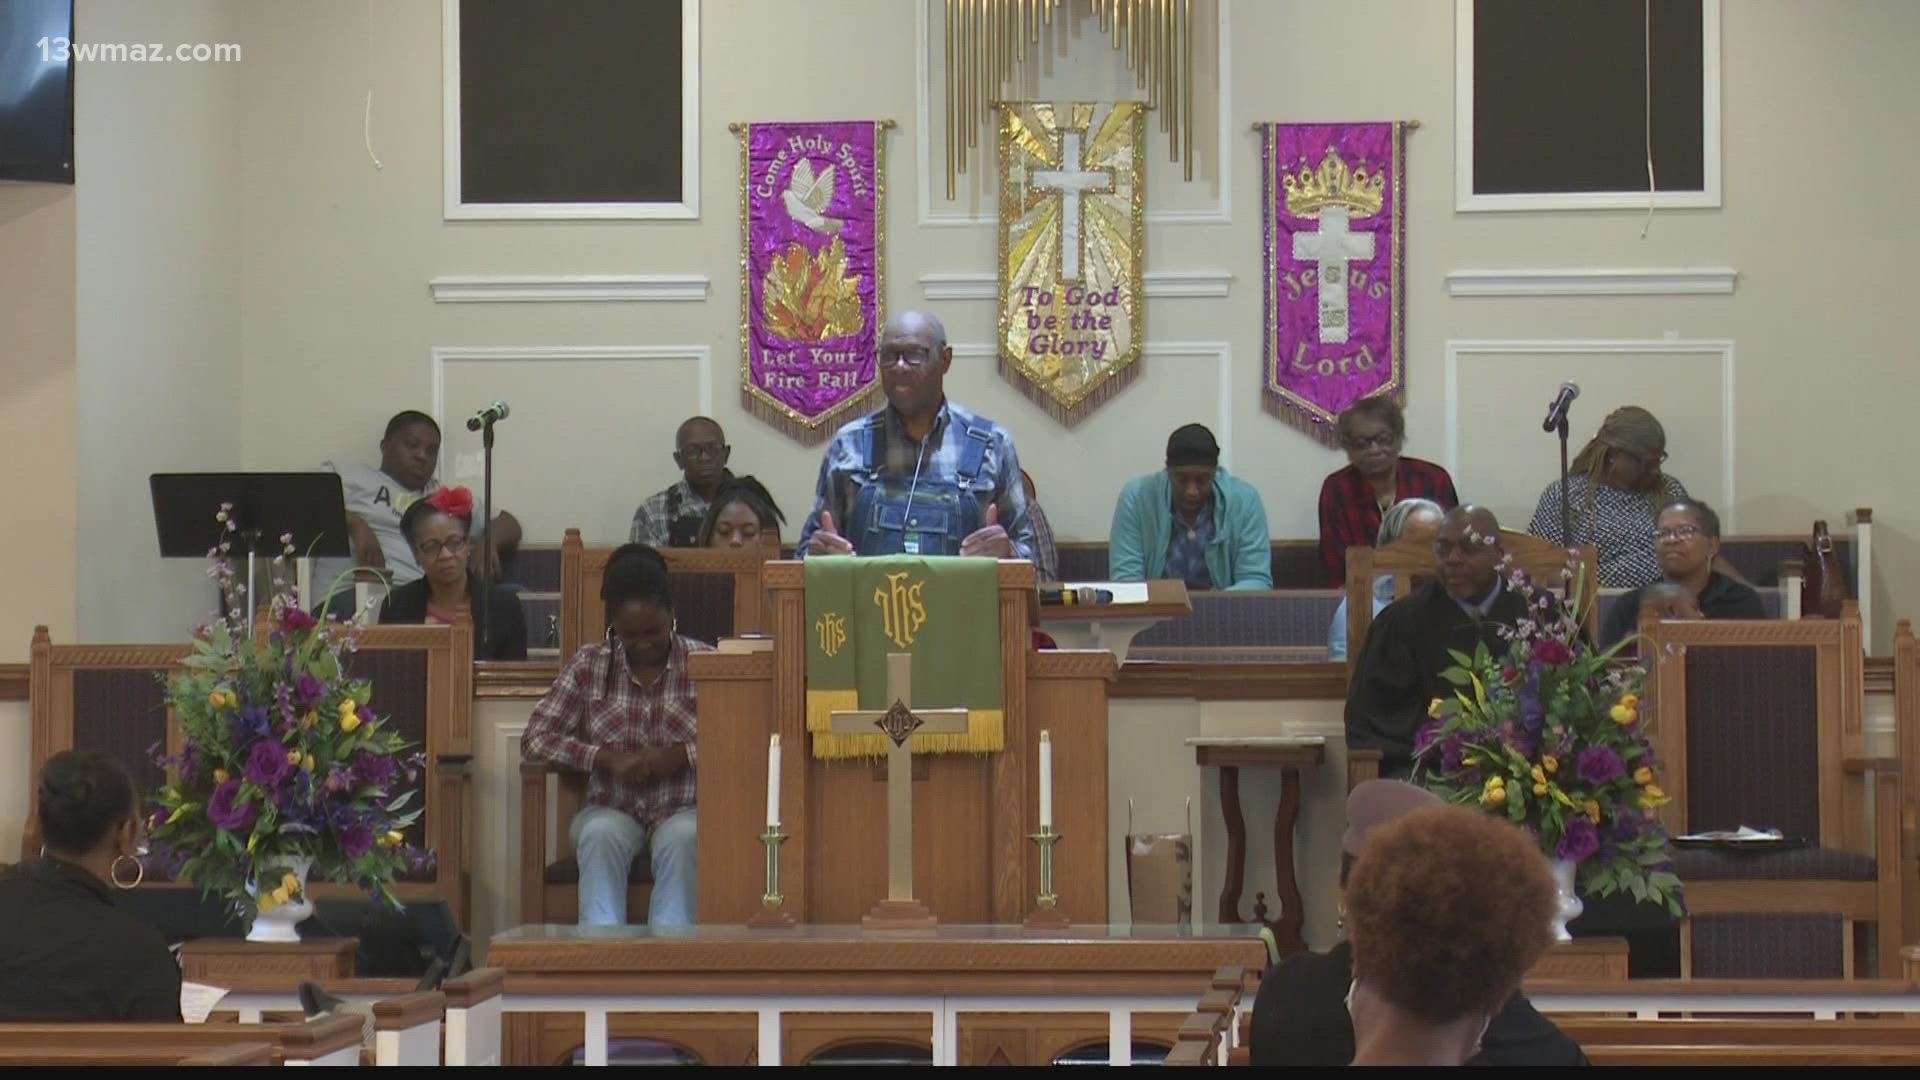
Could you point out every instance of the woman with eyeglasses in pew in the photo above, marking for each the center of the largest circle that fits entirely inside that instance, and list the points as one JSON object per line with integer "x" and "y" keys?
{"x": 436, "y": 527}
{"x": 66, "y": 952}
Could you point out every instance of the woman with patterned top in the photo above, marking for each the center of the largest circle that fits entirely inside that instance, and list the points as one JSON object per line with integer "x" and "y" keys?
{"x": 624, "y": 711}
{"x": 1615, "y": 489}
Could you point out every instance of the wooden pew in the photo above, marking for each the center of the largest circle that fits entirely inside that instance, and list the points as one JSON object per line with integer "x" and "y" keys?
{"x": 470, "y": 1019}
{"x": 474, "y": 1012}
{"x": 1736, "y": 1054}
{"x": 330, "y": 1041}
{"x": 406, "y": 1029}
{"x": 122, "y": 1055}
{"x": 1211, "y": 1031}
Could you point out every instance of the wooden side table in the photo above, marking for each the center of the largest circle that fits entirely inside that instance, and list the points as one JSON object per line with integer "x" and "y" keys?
{"x": 212, "y": 959}
{"x": 1289, "y": 754}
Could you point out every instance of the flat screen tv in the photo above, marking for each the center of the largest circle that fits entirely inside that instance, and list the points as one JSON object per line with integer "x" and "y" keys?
{"x": 36, "y": 90}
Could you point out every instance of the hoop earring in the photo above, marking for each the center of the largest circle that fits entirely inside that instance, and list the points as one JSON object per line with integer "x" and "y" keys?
{"x": 609, "y": 634}
{"x": 139, "y": 873}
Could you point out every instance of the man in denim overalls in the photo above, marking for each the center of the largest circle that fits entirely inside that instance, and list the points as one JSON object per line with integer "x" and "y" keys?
{"x": 922, "y": 476}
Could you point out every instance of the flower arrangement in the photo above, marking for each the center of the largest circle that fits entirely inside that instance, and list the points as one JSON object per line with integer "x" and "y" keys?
{"x": 284, "y": 768}
{"x": 1549, "y": 736}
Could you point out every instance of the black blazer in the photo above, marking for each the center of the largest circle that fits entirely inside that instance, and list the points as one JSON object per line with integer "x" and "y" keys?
{"x": 508, "y": 641}
{"x": 67, "y": 954}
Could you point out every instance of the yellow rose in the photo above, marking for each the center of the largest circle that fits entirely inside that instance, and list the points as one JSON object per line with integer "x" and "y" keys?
{"x": 1497, "y": 781}
{"x": 349, "y": 721}
{"x": 293, "y": 757}
{"x": 1631, "y": 701}
{"x": 1622, "y": 715}
{"x": 1651, "y": 797}
{"x": 1433, "y": 707}
{"x": 1593, "y": 811}
{"x": 290, "y": 883}
{"x": 267, "y": 904}
{"x": 1551, "y": 763}
{"x": 1539, "y": 775}
{"x": 307, "y": 764}
{"x": 280, "y": 895}
{"x": 310, "y": 719}
{"x": 1643, "y": 776}
{"x": 1539, "y": 789}
{"x": 347, "y": 706}
{"x": 394, "y": 839}
{"x": 1495, "y": 797}
{"x": 216, "y": 699}
{"x": 219, "y": 776}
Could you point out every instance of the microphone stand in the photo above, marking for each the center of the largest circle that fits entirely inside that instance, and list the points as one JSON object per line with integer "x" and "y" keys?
{"x": 1566, "y": 503}
{"x": 486, "y": 531}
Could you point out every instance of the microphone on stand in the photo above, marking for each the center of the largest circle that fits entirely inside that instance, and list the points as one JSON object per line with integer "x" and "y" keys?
{"x": 1556, "y": 412}
{"x": 489, "y": 415}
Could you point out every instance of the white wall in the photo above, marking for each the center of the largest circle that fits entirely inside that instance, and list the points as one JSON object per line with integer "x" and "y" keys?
{"x": 37, "y": 392}
{"x": 159, "y": 267}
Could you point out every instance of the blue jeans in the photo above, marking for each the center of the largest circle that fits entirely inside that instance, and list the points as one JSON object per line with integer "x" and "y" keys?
{"x": 605, "y": 842}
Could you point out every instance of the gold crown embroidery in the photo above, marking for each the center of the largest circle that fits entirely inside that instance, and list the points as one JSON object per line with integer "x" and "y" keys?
{"x": 1333, "y": 184}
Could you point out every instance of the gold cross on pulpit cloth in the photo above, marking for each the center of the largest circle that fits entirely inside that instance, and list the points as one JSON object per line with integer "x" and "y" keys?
{"x": 898, "y": 723}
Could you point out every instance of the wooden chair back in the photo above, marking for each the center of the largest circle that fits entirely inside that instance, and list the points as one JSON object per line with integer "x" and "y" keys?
{"x": 717, "y": 591}
{"x": 1542, "y": 560}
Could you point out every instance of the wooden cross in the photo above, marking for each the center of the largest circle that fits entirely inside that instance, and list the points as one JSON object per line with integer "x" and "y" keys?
{"x": 900, "y": 911}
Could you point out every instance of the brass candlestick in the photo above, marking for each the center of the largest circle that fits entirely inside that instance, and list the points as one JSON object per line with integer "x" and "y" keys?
{"x": 1046, "y": 913}
{"x": 772, "y": 915}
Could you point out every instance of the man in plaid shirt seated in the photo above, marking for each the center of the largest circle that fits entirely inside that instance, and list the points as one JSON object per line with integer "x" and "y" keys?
{"x": 624, "y": 711}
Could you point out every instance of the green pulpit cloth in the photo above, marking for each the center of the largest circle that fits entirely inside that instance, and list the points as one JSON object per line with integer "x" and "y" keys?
{"x": 943, "y": 611}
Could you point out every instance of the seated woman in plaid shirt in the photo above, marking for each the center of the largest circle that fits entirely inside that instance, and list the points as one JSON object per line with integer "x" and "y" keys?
{"x": 624, "y": 710}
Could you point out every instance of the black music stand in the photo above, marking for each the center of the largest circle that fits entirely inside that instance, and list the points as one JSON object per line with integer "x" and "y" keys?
{"x": 310, "y": 506}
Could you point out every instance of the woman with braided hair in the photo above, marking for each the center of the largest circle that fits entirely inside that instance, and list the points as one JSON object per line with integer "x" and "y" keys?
{"x": 1615, "y": 489}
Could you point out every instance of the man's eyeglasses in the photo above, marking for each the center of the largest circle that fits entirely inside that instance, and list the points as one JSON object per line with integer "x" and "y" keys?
{"x": 909, "y": 357}
{"x": 702, "y": 451}
{"x": 1677, "y": 532}
{"x": 1382, "y": 441}
{"x": 431, "y": 549}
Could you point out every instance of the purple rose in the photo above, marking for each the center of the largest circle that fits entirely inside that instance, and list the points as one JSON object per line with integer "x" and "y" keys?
{"x": 268, "y": 764}
{"x": 1579, "y": 839}
{"x": 1552, "y": 651}
{"x": 373, "y": 770}
{"x": 356, "y": 840}
{"x": 308, "y": 690}
{"x": 225, "y": 813}
{"x": 1598, "y": 765}
{"x": 248, "y": 724}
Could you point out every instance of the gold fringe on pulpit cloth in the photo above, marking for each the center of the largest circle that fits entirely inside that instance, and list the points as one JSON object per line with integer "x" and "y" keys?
{"x": 986, "y": 731}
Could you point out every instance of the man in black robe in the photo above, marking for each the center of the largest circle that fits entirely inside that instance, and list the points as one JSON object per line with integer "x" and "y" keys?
{"x": 1300, "y": 1015}
{"x": 1398, "y": 674}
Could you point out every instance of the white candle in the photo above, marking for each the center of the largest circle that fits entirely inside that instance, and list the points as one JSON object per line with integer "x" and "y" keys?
{"x": 1046, "y": 780}
{"x": 773, "y": 782}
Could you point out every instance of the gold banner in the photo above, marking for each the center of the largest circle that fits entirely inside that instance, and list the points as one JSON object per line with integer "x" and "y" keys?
{"x": 1072, "y": 243}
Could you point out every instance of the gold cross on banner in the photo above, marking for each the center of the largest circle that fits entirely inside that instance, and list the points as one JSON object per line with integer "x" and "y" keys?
{"x": 900, "y": 911}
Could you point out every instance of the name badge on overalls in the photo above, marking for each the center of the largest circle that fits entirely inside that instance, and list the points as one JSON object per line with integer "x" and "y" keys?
{"x": 911, "y": 540}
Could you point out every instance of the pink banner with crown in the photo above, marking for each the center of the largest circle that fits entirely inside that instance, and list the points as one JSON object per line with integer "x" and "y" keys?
{"x": 1333, "y": 244}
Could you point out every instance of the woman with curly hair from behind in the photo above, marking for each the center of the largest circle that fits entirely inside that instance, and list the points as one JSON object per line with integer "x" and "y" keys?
{"x": 1447, "y": 910}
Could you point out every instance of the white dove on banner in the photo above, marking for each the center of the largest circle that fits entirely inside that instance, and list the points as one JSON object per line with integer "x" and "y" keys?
{"x": 807, "y": 197}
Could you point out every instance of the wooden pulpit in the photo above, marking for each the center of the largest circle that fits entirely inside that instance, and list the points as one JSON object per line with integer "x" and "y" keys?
{"x": 972, "y": 813}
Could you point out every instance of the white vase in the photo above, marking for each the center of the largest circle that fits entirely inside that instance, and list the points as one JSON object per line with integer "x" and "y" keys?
{"x": 1564, "y": 873}
{"x": 280, "y": 924}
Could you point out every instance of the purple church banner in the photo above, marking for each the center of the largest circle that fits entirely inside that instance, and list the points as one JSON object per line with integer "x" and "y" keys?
{"x": 812, "y": 236}
{"x": 1333, "y": 242}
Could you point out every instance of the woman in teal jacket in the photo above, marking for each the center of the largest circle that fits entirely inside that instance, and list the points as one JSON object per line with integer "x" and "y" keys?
{"x": 1224, "y": 523}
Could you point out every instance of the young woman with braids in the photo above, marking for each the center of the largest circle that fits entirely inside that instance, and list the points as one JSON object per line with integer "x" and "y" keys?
{"x": 624, "y": 711}
{"x": 742, "y": 514}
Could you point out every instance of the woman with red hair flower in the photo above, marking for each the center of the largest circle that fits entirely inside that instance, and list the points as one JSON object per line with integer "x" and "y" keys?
{"x": 436, "y": 527}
